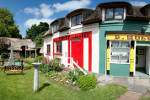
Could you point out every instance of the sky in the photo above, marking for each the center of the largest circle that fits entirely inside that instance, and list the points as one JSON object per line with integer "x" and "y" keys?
{"x": 29, "y": 12}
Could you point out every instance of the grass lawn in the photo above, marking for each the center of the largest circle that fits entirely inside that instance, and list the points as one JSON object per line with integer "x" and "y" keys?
{"x": 19, "y": 87}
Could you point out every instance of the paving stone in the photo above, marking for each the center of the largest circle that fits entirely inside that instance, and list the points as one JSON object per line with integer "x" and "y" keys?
{"x": 130, "y": 96}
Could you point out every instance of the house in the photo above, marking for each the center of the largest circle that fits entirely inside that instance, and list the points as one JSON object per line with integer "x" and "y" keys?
{"x": 21, "y": 47}
{"x": 113, "y": 39}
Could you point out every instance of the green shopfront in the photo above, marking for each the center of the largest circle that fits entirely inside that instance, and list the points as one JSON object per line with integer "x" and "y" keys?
{"x": 124, "y": 47}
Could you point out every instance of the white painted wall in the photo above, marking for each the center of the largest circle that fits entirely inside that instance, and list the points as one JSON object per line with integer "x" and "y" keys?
{"x": 148, "y": 60}
{"x": 47, "y": 41}
{"x": 94, "y": 28}
{"x": 64, "y": 58}
{"x": 86, "y": 54}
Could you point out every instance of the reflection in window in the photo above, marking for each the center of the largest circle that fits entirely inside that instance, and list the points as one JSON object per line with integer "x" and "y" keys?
{"x": 118, "y": 13}
{"x": 59, "y": 47}
{"x": 76, "y": 20}
{"x": 120, "y": 51}
{"x": 114, "y": 13}
{"x": 55, "y": 27}
{"x": 109, "y": 13}
{"x": 48, "y": 48}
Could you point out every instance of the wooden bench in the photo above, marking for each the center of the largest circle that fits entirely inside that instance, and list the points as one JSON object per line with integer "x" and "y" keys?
{"x": 14, "y": 68}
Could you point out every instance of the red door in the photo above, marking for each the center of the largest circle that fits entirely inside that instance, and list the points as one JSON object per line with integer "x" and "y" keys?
{"x": 77, "y": 51}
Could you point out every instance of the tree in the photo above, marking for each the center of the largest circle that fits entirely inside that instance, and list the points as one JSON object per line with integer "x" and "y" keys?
{"x": 7, "y": 25}
{"x": 35, "y": 33}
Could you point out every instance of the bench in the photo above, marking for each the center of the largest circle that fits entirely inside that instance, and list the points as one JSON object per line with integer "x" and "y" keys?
{"x": 14, "y": 68}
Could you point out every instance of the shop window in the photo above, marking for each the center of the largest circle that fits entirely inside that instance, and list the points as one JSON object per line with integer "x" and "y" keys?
{"x": 76, "y": 20}
{"x": 48, "y": 49}
{"x": 59, "y": 47}
{"x": 120, "y": 52}
{"x": 114, "y": 13}
{"x": 55, "y": 27}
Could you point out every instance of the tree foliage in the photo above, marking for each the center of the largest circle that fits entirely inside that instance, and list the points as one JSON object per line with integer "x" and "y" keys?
{"x": 35, "y": 33}
{"x": 7, "y": 25}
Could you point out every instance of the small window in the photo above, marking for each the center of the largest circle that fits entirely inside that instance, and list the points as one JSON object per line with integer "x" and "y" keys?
{"x": 114, "y": 13}
{"x": 55, "y": 27}
{"x": 59, "y": 47}
{"x": 76, "y": 20}
{"x": 48, "y": 49}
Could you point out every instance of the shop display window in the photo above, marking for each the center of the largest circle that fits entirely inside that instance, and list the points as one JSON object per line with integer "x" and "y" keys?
{"x": 120, "y": 51}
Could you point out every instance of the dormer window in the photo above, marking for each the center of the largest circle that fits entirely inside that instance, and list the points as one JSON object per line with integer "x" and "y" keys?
{"x": 114, "y": 13}
{"x": 55, "y": 27}
{"x": 76, "y": 20}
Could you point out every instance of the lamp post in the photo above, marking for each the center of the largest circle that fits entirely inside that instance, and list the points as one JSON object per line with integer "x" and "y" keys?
{"x": 35, "y": 85}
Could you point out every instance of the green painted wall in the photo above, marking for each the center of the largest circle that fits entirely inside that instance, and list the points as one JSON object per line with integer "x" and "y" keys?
{"x": 115, "y": 26}
{"x": 142, "y": 43}
{"x": 120, "y": 69}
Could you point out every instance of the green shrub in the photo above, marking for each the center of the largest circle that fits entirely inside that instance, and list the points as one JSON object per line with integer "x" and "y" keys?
{"x": 5, "y": 55}
{"x": 74, "y": 75}
{"x": 28, "y": 67}
{"x": 55, "y": 65}
{"x": 86, "y": 82}
{"x": 28, "y": 61}
{"x": 1, "y": 68}
{"x": 44, "y": 68}
{"x": 39, "y": 58}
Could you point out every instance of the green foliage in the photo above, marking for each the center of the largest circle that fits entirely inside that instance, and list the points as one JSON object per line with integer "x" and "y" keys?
{"x": 86, "y": 82}
{"x": 44, "y": 68}
{"x": 54, "y": 66}
{"x": 7, "y": 25}
{"x": 74, "y": 75}
{"x": 19, "y": 87}
{"x": 1, "y": 68}
{"x": 5, "y": 55}
{"x": 28, "y": 61}
{"x": 35, "y": 33}
{"x": 28, "y": 67}
{"x": 39, "y": 58}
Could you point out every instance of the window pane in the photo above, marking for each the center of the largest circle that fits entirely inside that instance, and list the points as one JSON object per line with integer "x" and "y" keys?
{"x": 79, "y": 19}
{"x": 59, "y": 47}
{"x": 118, "y": 13}
{"x": 73, "y": 21}
{"x": 120, "y": 51}
{"x": 109, "y": 13}
{"x": 55, "y": 27}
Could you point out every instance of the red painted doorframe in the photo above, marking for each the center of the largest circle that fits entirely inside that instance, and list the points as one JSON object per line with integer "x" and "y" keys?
{"x": 77, "y": 36}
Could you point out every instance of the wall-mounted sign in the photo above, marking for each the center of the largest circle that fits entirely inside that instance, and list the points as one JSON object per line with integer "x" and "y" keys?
{"x": 128, "y": 37}
{"x": 73, "y": 36}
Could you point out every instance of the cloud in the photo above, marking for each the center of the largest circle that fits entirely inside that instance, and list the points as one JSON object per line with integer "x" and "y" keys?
{"x": 71, "y": 5}
{"x": 34, "y": 11}
{"x": 138, "y": 3}
{"x": 36, "y": 21}
{"x": 44, "y": 10}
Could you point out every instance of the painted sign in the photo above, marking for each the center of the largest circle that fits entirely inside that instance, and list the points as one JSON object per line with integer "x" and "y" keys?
{"x": 128, "y": 37}
{"x": 73, "y": 36}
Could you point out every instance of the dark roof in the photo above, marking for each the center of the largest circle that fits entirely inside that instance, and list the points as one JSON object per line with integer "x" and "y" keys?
{"x": 145, "y": 10}
{"x": 77, "y": 11}
{"x": 133, "y": 12}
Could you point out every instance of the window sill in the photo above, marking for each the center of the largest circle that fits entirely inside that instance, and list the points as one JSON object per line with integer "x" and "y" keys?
{"x": 58, "y": 54}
